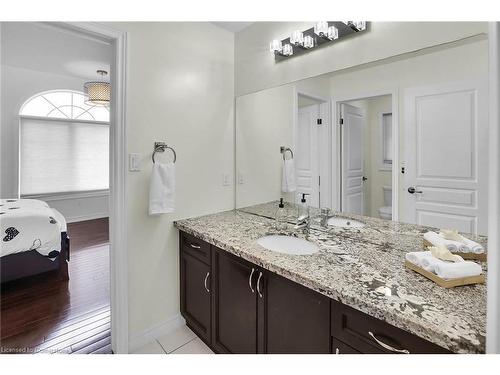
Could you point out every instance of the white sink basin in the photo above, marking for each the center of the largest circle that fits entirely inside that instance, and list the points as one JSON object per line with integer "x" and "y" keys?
{"x": 288, "y": 245}
{"x": 345, "y": 223}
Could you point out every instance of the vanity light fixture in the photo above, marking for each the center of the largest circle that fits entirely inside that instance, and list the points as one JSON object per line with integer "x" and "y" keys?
{"x": 321, "y": 33}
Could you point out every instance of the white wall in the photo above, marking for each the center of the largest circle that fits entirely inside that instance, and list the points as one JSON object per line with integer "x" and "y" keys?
{"x": 179, "y": 90}
{"x": 257, "y": 70}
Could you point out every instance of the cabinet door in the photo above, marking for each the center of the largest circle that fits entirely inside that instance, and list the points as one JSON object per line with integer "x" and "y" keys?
{"x": 195, "y": 295}
{"x": 234, "y": 304}
{"x": 292, "y": 318}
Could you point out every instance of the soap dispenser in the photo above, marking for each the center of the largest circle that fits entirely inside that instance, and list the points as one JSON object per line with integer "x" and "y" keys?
{"x": 280, "y": 217}
{"x": 303, "y": 210}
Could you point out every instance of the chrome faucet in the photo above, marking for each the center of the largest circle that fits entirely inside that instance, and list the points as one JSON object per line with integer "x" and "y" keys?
{"x": 325, "y": 213}
{"x": 304, "y": 223}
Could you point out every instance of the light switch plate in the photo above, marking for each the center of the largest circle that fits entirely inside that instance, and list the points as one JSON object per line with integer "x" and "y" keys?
{"x": 241, "y": 179}
{"x": 226, "y": 179}
{"x": 134, "y": 162}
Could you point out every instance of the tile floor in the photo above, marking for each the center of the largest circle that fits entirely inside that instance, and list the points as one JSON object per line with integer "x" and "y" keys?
{"x": 180, "y": 341}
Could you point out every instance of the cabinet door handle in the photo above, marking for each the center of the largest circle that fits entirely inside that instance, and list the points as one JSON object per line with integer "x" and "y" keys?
{"x": 205, "y": 282}
{"x": 258, "y": 285}
{"x": 337, "y": 351}
{"x": 194, "y": 246}
{"x": 250, "y": 281}
{"x": 388, "y": 347}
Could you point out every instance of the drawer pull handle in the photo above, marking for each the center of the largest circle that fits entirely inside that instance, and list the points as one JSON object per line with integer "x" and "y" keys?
{"x": 250, "y": 281}
{"x": 337, "y": 351}
{"x": 258, "y": 285}
{"x": 388, "y": 347}
{"x": 206, "y": 278}
{"x": 194, "y": 246}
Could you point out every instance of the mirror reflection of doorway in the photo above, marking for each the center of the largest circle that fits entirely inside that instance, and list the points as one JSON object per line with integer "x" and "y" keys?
{"x": 366, "y": 157}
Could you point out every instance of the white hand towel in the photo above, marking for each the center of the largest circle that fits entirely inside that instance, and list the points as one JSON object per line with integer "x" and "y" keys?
{"x": 288, "y": 183}
{"x": 162, "y": 189}
{"x": 447, "y": 270}
{"x": 436, "y": 240}
{"x": 429, "y": 264}
{"x": 417, "y": 257}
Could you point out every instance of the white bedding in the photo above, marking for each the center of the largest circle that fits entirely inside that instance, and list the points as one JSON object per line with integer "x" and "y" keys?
{"x": 30, "y": 224}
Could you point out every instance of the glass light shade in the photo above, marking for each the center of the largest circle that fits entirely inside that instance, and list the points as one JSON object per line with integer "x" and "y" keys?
{"x": 308, "y": 42}
{"x": 287, "y": 50}
{"x": 275, "y": 46}
{"x": 321, "y": 28}
{"x": 360, "y": 25}
{"x": 297, "y": 38}
{"x": 97, "y": 93}
{"x": 333, "y": 33}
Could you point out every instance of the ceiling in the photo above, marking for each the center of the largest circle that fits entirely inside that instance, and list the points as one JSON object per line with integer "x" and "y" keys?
{"x": 46, "y": 48}
{"x": 234, "y": 27}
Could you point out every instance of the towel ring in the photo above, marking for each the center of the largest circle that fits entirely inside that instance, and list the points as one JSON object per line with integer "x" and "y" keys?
{"x": 160, "y": 147}
{"x": 284, "y": 149}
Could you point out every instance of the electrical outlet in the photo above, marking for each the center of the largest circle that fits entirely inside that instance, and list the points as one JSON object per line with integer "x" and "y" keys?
{"x": 226, "y": 179}
{"x": 134, "y": 162}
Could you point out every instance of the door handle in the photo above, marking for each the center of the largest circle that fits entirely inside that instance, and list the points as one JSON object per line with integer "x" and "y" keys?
{"x": 365, "y": 178}
{"x": 250, "y": 281}
{"x": 386, "y": 346}
{"x": 258, "y": 285}
{"x": 205, "y": 282}
{"x": 412, "y": 190}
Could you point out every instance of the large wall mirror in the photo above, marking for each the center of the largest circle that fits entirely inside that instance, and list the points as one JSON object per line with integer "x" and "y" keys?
{"x": 403, "y": 139}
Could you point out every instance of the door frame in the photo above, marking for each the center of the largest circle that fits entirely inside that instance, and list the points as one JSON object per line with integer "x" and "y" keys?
{"x": 118, "y": 250}
{"x": 321, "y": 100}
{"x": 336, "y": 142}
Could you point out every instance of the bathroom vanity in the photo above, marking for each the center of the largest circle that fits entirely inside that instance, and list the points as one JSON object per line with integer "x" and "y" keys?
{"x": 352, "y": 296}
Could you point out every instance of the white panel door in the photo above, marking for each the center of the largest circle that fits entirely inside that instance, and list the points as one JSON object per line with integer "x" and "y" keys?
{"x": 307, "y": 155}
{"x": 446, "y": 146}
{"x": 354, "y": 124}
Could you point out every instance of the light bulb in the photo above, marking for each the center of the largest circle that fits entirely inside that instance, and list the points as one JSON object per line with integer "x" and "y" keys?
{"x": 333, "y": 33}
{"x": 321, "y": 28}
{"x": 287, "y": 50}
{"x": 297, "y": 38}
{"x": 360, "y": 25}
{"x": 275, "y": 46}
{"x": 308, "y": 42}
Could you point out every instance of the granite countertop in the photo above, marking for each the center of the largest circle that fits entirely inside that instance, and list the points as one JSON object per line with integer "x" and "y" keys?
{"x": 360, "y": 267}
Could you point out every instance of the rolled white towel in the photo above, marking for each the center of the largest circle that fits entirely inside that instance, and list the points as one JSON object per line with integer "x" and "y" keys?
{"x": 429, "y": 264}
{"x": 416, "y": 257}
{"x": 471, "y": 246}
{"x": 447, "y": 270}
{"x": 436, "y": 240}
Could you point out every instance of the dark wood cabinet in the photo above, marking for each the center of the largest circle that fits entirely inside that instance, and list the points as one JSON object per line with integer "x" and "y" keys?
{"x": 234, "y": 304}
{"x": 238, "y": 307}
{"x": 292, "y": 319}
{"x": 196, "y": 295}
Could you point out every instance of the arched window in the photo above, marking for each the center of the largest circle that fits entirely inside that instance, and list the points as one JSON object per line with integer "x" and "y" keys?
{"x": 63, "y": 104}
{"x": 64, "y": 144}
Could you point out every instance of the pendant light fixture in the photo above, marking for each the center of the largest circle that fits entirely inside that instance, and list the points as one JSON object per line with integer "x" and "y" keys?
{"x": 98, "y": 92}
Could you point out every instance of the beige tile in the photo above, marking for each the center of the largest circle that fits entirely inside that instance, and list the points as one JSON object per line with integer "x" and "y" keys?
{"x": 151, "y": 348}
{"x": 194, "y": 347}
{"x": 176, "y": 339}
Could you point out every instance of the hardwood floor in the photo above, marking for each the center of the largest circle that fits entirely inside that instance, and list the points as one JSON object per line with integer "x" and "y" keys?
{"x": 45, "y": 314}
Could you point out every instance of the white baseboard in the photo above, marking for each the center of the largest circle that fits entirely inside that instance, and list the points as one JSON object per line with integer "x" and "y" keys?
{"x": 155, "y": 332}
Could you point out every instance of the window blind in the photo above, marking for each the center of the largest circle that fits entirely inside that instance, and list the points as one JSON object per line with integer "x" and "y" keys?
{"x": 63, "y": 156}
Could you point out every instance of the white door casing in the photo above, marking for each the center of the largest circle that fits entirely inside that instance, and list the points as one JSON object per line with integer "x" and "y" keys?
{"x": 353, "y": 127}
{"x": 307, "y": 155}
{"x": 446, "y": 144}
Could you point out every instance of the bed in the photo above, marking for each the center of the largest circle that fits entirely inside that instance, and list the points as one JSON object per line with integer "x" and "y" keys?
{"x": 34, "y": 240}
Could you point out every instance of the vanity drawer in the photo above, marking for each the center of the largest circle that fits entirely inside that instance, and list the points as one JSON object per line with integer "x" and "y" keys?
{"x": 195, "y": 247}
{"x": 370, "y": 335}
{"x": 338, "y": 347}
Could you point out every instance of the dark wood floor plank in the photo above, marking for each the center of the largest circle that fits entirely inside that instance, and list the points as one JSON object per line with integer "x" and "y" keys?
{"x": 95, "y": 347}
{"x": 45, "y": 312}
